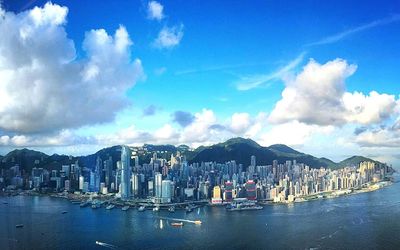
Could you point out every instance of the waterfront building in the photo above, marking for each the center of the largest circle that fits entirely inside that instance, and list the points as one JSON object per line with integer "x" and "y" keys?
{"x": 251, "y": 190}
{"x": 125, "y": 173}
{"x": 158, "y": 187}
{"x": 216, "y": 199}
{"x": 135, "y": 185}
{"x": 228, "y": 191}
{"x": 81, "y": 181}
{"x": 166, "y": 194}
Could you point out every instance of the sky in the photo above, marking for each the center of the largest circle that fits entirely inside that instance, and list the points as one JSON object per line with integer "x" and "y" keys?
{"x": 319, "y": 76}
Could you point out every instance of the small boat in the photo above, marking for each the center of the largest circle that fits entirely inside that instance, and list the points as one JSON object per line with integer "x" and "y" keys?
{"x": 156, "y": 208}
{"x": 189, "y": 209}
{"x": 111, "y": 206}
{"x": 197, "y": 222}
{"x": 141, "y": 208}
{"x": 177, "y": 224}
{"x": 171, "y": 209}
{"x": 64, "y": 212}
{"x": 19, "y": 225}
{"x": 5, "y": 203}
{"x": 125, "y": 208}
{"x": 84, "y": 204}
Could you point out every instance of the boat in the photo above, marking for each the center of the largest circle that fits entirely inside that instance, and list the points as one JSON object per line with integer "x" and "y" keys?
{"x": 111, "y": 206}
{"x": 171, "y": 209}
{"x": 125, "y": 208}
{"x": 141, "y": 208}
{"x": 177, "y": 224}
{"x": 84, "y": 204}
{"x": 156, "y": 208}
{"x": 189, "y": 209}
{"x": 64, "y": 212}
{"x": 5, "y": 203}
{"x": 19, "y": 225}
{"x": 95, "y": 205}
{"x": 197, "y": 222}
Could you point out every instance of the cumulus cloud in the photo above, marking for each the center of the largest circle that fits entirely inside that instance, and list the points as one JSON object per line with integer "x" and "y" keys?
{"x": 183, "y": 118}
{"x": 155, "y": 10}
{"x": 240, "y": 122}
{"x": 169, "y": 37}
{"x": 317, "y": 95}
{"x": 381, "y": 136}
{"x": 44, "y": 87}
{"x": 293, "y": 133}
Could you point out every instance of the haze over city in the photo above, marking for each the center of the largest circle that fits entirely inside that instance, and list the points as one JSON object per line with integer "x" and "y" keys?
{"x": 198, "y": 73}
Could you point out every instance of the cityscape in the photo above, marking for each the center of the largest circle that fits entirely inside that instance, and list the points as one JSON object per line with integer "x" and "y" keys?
{"x": 165, "y": 182}
{"x": 190, "y": 125}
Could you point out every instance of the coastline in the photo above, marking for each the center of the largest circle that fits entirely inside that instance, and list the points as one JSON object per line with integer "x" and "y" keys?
{"x": 111, "y": 199}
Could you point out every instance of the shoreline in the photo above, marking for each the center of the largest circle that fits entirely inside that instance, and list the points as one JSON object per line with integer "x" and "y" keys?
{"x": 111, "y": 199}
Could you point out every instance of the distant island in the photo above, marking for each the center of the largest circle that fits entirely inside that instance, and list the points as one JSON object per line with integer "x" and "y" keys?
{"x": 238, "y": 173}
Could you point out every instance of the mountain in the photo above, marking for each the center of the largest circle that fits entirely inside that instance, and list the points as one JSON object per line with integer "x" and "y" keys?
{"x": 355, "y": 160}
{"x": 238, "y": 149}
{"x": 28, "y": 159}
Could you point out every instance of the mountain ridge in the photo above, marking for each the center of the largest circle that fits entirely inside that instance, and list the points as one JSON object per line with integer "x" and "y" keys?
{"x": 238, "y": 149}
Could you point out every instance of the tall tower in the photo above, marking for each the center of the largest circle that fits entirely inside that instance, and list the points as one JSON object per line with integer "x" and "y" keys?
{"x": 126, "y": 173}
{"x": 253, "y": 160}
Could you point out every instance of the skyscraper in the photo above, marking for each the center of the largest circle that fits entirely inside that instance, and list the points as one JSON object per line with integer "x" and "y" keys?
{"x": 125, "y": 173}
{"x": 158, "y": 186}
{"x": 166, "y": 191}
{"x": 253, "y": 161}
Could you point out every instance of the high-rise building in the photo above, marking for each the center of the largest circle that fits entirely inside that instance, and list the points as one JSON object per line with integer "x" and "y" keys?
{"x": 108, "y": 164}
{"x": 158, "y": 186}
{"x": 253, "y": 161}
{"x": 125, "y": 173}
{"x": 81, "y": 181}
{"x": 135, "y": 185}
{"x": 216, "y": 198}
{"x": 228, "y": 191}
{"x": 166, "y": 191}
{"x": 251, "y": 190}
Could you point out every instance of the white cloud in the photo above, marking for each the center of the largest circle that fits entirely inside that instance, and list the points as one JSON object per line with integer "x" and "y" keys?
{"x": 293, "y": 133}
{"x": 318, "y": 96}
{"x": 367, "y": 109}
{"x": 251, "y": 82}
{"x": 240, "y": 122}
{"x": 44, "y": 87}
{"x": 155, "y": 10}
{"x": 169, "y": 37}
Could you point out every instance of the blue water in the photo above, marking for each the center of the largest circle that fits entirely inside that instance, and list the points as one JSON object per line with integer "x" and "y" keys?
{"x": 362, "y": 221}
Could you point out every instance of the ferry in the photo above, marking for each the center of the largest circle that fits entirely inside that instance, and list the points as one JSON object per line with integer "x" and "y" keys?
{"x": 125, "y": 208}
{"x": 19, "y": 225}
{"x": 141, "y": 208}
{"x": 177, "y": 224}
{"x": 64, "y": 212}
{"x": 243, "y": 204}
{"x": 111, "y": 206}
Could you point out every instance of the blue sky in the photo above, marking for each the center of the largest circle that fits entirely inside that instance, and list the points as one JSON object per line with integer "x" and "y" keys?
{"x": 225, "y": 58}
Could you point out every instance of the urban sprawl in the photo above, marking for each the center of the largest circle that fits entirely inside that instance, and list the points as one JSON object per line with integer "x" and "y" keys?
{"x": 165, "y": 183}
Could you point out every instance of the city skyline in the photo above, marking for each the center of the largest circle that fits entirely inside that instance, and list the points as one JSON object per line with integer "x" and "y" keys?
{"x": 168, "y": 73}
